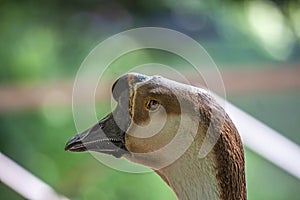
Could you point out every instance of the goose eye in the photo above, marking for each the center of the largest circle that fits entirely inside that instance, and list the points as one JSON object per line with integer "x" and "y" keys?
{"x": 152, "y": 105}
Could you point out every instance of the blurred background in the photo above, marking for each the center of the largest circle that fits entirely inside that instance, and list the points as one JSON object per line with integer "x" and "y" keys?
{"x": 255, "y": 44}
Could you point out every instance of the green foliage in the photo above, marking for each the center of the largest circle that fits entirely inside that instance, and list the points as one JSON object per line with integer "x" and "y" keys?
{"x": 46, "y": 41}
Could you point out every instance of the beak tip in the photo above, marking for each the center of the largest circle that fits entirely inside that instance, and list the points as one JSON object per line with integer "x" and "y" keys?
{"x": 75, "y": 145}
{"x": 67, "y": 148}
{"x": 75, "y": 148}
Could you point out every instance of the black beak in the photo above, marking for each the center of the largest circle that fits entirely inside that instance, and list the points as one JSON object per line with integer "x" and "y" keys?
{"x": 105, "y": 137}
{"x": 108, "y": 136}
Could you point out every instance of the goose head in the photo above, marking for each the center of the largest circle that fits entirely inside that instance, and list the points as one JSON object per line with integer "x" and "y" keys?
{"x": 163, "y": 124}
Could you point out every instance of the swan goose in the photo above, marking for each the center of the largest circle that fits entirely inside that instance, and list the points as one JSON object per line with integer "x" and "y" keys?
{"x": 146, "y": 101}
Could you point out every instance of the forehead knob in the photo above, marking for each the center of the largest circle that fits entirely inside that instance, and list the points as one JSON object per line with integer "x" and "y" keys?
{"x": 124, "y": 83}
{"x": 119, "y": 86}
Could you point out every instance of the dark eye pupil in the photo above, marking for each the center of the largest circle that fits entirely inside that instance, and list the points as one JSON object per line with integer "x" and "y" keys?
{"x": 152, "y": 105}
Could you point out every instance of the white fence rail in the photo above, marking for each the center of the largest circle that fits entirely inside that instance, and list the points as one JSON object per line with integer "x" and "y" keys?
{"x": 25, "y": 183}
{"x": 265, "y": 141}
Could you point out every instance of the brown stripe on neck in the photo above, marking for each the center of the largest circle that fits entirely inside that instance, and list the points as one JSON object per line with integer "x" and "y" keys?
{"x": 230, "y": 163}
